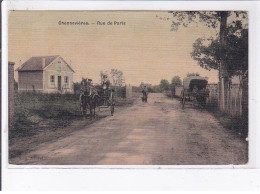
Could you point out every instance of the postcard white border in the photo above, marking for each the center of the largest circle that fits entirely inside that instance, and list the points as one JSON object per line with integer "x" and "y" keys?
{"x": 136, "y": 176}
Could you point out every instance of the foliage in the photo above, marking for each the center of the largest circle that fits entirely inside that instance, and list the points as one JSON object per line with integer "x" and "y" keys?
{"x": 228, "y": 49}
{"x": 117, "y": 77}
{"x": 164, "y": 85}
{"x": 104, "y": 76}
{"x": 210, "y": 19}
{"x": 147, "y": 85}
{"x": 154, "y": 89}
{"x": 176, "y": 81}
{"x": 119, "y": 92}
{"x": 76, "y": 88}
{"x": 150, "y": 88}
{"x": 35, "y": 111}
{"x": 234, "y": 52}
{"x": 136, "y": 89}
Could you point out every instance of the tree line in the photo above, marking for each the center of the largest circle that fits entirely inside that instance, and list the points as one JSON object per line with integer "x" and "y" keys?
{"x": 176, "y": 81}
{"x": 164, "y": 84}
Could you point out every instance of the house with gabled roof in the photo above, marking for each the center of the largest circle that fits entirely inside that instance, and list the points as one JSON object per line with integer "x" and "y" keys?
{"x": 47, "y": 74}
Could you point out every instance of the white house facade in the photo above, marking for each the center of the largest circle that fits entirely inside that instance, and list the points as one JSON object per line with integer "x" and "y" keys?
{"x": 47, "y": 74}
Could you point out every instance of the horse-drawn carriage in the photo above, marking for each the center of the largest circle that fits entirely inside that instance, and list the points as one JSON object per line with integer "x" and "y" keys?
{"x": 194, "y": 90}
{"x": 91, "y": 97}
{"x": 106, "y": 95}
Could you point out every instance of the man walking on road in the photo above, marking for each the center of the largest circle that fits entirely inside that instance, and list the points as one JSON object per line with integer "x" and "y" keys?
{"x": 145, "y": 95}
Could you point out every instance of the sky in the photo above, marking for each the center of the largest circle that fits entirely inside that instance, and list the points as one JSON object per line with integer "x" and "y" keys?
{"x": 144, "y": 48}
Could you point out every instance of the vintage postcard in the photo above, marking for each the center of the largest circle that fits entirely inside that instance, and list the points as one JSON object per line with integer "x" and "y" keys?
{"x": 127, "y": 95}
{"x": 128, "y": 87}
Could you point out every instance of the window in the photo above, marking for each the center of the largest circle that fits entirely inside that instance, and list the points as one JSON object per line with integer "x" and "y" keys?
{"x": 52, "y": 80}
{"x": 59, "y": 66}
{"x": 66, "y": 79}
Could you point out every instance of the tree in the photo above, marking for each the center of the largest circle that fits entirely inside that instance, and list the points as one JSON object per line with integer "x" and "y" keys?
{"x": 193, "y": 74}
{"x": 117, "y": 77}
{"x": 164, "y": 85}
{"x": 104, "y": 76}
{"x": 176, "y": 81}
{"x": 213, "y": 19}
{"x": 236, "y": 52}
{"x": 236, "y": 55}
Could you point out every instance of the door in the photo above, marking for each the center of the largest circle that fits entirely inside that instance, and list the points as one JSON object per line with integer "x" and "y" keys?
{"x": 59, "y": 83}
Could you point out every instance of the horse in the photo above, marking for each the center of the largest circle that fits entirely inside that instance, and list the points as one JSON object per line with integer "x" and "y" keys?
{"x": 88, "y": 98}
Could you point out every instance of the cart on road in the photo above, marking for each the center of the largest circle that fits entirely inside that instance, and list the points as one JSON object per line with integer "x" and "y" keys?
{"x": 195, "y": 90}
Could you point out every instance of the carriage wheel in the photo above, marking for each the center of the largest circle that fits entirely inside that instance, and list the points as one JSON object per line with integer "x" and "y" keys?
{"x": 112, "y": 104}
{"x": 112, "y": 109}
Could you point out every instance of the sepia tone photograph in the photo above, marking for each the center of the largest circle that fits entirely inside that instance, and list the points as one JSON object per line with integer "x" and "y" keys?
{"x": 128, "y": 87}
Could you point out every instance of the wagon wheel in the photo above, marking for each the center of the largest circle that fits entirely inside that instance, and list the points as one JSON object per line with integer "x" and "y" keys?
{"x": 112, "y": 104}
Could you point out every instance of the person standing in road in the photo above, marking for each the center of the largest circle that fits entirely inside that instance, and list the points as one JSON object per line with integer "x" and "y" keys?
{"x": 145, "y": 95}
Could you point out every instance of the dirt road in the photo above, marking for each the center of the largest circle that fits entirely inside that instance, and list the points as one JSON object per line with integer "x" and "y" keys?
{"x": 159, "y": 132}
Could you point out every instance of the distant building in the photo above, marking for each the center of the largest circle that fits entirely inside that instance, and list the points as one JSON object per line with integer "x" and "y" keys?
{"x": 47, "y": 74}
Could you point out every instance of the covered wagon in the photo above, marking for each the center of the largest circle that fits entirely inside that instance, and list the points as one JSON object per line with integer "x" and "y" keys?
{"x": 195, "y": 90}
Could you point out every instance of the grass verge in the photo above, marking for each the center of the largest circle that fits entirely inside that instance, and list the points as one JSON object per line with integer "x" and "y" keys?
{"x": 41, "y": 118}
{"x": 236, "y": 124}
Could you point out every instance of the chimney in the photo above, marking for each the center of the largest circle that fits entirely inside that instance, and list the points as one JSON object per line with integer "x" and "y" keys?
{"x": 43, "y": 63}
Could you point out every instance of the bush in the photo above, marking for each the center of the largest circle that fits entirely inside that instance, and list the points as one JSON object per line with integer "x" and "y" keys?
{"x": 119, "y": 92}
{"x": 32, "y": 109}
{"x": 77, "y": 88}
{"x": 136, "y": 89}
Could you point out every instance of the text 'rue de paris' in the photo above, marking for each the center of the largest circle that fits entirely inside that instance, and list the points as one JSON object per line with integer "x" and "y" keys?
{"x": 110, "y": 23}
